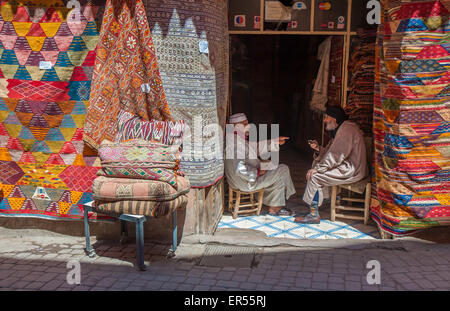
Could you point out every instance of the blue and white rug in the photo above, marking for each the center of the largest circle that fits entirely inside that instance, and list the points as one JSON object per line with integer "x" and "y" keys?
{"x": 285, "y": 227}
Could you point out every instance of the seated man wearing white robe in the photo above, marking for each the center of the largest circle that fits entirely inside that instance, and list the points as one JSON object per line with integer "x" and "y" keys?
{"x": 343, "y": 161}
{"x": 246, "y": 174}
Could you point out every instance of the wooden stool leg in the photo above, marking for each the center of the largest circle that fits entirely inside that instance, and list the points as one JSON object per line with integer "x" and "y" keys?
{"x": 367, "y": 203}
{"x": 260, "y": 201}
{"x": 230, "y": 199}
{"x": 333, "y": 202}
{"x": 237, "y": 203}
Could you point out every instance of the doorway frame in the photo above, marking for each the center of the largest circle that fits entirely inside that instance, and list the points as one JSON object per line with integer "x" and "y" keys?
{"x": 347, "y": 34}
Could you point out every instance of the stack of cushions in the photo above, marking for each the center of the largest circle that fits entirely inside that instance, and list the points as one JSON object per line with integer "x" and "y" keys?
{"x": 141, "y": 177}
{"x": 141, "y": 160}
{"x": 138, "y": 197}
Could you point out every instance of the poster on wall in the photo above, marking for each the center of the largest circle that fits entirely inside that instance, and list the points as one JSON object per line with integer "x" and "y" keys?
{"x": 330, "y": 15}
{"x": 275, "y": 11}
{"x": 287, "y": 15}
{"x": 244, "y": 15}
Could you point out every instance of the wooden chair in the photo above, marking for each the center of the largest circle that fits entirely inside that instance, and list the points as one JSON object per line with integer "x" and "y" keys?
{"x": 361, "y": 188}
{"x": 251, "y": 201}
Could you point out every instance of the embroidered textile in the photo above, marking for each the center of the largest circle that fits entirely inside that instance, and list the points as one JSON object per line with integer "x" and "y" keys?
{"x": 165, "y": 132}
{"x": 191, "y": 44}
{"x": 140, "y": 159}
{"x": 124, "y": 66}
{"x": 138, "y": 151}
{"x": 146, "y": 208}
{"x": 114, "y": 189}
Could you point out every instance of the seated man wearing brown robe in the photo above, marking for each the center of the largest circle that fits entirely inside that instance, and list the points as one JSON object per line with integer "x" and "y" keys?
{"x": 342, "y": 161}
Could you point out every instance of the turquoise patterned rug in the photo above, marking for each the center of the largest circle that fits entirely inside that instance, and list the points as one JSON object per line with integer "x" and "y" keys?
{"x": 285, "y": 227}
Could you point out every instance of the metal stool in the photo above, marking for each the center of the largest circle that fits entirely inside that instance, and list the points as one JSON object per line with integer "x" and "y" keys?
{"x": 244, "y": 199}
{"x": 139, "y": 221}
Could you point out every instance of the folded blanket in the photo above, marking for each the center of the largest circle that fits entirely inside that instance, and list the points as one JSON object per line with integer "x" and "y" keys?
{"x": 133, "y": 127}
{"x": 146, "y": 208}
{"x": 141, "y": 160}
{"x": 138, "y": 151}
{"x": 114, "y": 189}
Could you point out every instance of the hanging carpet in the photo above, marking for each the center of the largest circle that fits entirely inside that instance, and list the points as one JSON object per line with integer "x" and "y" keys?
{"x": 361, "y": 70}
{"x": 126, "y": 75}
{"x": 191, "y": 44}
{"x": 411, "y": 117}
{"x": 47, "y": 54}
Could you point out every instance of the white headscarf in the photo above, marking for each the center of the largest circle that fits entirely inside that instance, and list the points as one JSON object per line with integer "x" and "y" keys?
{"x": 237, "y": 118}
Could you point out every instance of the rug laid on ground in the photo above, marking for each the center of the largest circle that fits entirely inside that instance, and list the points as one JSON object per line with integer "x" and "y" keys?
{"x": 411, "y": 117}
{"x": 126, "y": 75}
{"x": 47, "y": 54}
{"x": 191, "y": 42}
{"x": 286, "y": 227}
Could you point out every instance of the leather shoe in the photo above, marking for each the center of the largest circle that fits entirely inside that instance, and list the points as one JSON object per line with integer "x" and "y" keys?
{"x": 308, "y": 219}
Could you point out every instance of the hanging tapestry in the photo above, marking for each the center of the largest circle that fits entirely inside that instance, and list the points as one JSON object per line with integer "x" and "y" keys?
{"x": 361, "y": 70}
{"x": 191, "y": 42}
{"x": 47, "y": 53}
{"x": 126, "y": 75}
{"x": 411, "y": 117}
{"x": 335, "y": 71}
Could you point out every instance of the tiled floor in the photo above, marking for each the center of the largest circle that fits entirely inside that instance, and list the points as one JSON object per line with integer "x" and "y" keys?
{"x": 285, "y": 227}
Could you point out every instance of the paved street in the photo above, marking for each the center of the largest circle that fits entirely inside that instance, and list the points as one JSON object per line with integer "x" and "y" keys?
{"x": 39, "y": 262}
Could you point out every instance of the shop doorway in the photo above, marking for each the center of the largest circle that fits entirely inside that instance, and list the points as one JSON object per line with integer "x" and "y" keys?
{"x": 272, "y": 77}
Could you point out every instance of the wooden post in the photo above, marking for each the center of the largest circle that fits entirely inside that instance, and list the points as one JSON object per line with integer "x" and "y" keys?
{"x": 367, "y": 202}
{"x": 236, "y": 205}
{"x": 260, "y": 201}
{"x": 346, "y": 56}
{"x": 333, "y": 203}
{"x": 261, "y": 12}
{"x": 230, "y": 199}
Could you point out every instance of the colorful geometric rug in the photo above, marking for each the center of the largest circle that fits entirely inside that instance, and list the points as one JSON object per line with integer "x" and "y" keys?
{"x": 125, "y": 63}
{"x": 412, "y": 117}
{"x": 47, "y": 54}
{"x": 191, "y": 42}
{"x": 285, "y": 227}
